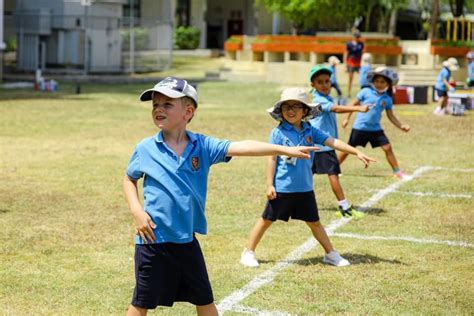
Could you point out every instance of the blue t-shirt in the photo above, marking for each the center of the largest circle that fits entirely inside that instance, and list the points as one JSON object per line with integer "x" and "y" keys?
{"x": 354, "y": 50}
{"x": 293, "y": 174}
{"x": 333, "y": 76}
{"x": 326, "y": 121}
{"x": 175, "y": 188}
{"x": 364, "y": 70}
{"x": 445, "y": 73}
{"x": 470, "y": 70}
{"x": 370, "y": 121}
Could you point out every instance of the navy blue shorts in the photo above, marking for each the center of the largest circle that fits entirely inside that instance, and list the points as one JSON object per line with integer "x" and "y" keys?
{"x": 325, "y": 162}
{"x": 361, "y": 138}
{"x": 298, "y": 205}
{"x": 169, "y": 272}
{"x": 441, "y": 93}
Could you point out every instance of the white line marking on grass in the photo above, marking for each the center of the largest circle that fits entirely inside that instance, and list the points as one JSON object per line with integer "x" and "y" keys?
{"x": 445, "y": 195}
{"x": 452, "y": 169}
{"x": 229, "y": 302}
{"x": 407, "y": 238}
{"x": 255, "y": 311}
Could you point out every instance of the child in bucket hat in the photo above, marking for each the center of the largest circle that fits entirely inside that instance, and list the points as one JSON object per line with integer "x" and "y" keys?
{"x": 442, "y": 85}
{"x": 367, "y": 127}
{"x": 289, "y": 180}
{"x": 174, "y": 163}
{"x": 325, "y": 160}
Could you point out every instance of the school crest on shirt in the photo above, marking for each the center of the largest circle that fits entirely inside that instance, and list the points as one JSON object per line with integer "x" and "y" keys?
{"x": 308, "y": 140}
{"x": 195, "y": 163}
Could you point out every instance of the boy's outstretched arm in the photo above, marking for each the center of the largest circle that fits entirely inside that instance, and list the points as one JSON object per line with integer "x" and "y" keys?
{"x": 354, "y": 103}
{"x": 350, "y": 108}
{"x": 342, "y": 146}
{"x": 256, "y": 148}
{"x": 143, "y": 223}
{"x": 394, "y": 119}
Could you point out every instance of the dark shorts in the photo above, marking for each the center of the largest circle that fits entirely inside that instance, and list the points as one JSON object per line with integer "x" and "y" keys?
{"x": 326, "y": 162}
{"x": 352, "y": 69}
{"x": 168, "y": 272}
{"x": 361, "y": 138}
{"x": 441, "y": 93}
{"x": 299, "y": 205}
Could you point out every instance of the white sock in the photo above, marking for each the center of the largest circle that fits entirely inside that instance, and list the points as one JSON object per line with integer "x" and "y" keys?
{"x": 344, "y": 204}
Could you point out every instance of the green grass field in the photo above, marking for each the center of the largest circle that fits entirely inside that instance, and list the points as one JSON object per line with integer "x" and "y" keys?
{"x": 66, "y": 243}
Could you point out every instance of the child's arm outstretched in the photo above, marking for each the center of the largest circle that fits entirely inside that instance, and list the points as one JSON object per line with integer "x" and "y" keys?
{"x": 256, "y": 148}
{"x": 143, "y": 223}
{"x": 354, "y": 103}
{"x": 392, "y": 117}
{"x": 271, "y": 167}
{"x": 349, "y": 108}
{"x": 346, "y": 148}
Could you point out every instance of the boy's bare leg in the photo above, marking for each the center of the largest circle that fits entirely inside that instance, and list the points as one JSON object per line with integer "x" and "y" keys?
{"x": 136, "y": 311}
{"x": 257, "y": 233}
{"x": 443, "y": 101}
{"x": 341, "y": 157}
{"x": 390, "y": 156}
{"x": 336, "y": 186}
{"x": 207, "y": 310}
{"x": 320, "y": 234}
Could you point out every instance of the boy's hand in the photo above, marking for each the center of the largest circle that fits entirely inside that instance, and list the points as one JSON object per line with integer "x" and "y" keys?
{"x": 344, "y": 123}
{"x": 144, "y": 226}
{"x": 365, "y": 159}
{"x": 300, "y": 151}
{"x": 364, "y": 108}
{"x": 405, "y": 127}
{"x": 271, "y": 193}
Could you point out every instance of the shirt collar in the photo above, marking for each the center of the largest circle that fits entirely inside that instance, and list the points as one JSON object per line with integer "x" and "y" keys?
{"x": 192, "y": 137}
{"x": 327, "y": 97}
{"x": 288, "y": 126}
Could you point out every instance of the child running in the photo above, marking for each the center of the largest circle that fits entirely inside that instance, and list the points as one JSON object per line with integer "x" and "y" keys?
{"x": 325, "y": 159}
{"x": 169, "y": 264}
{"x": 367, "y": 126}
{"x": 289, "y": 180}
{"x": 442, "y": 85}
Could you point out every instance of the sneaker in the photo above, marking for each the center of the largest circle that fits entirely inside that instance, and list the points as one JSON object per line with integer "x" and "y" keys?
{"x": 439, "y": 111}
{"x": 335, "y": 259}
{"x": 402, "y": 176}
{"x": 350, "y": 212}
{"x": 248, "y": 258}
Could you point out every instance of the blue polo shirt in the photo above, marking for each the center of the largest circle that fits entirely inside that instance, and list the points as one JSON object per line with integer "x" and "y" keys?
{"x": 445, "y": 73}
{"x": 175, "y": 188}
{"x": 370, "y": 121}
{"x": 297, "y": 177}
{"x": 326, "y": 121}
{"x": 364, "y": 70}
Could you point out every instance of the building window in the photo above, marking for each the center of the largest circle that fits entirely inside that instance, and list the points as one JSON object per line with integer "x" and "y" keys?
{"x": 182, "y": 12}
{"x": 134, "y": 7}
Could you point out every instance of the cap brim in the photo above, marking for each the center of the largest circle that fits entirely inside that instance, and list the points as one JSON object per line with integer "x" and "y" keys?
{"x": 147, "y": 94}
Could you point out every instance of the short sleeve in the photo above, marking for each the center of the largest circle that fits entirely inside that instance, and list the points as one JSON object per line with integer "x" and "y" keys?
{"x": 389, "y": 104}
{"x": 275, "y": 137}
{"x": 217, "y": 149}
{"x": 361, "y": 95}
{"x": 319, "y": 137}
{"x": 133, "y": 169}
{"x": 326, "y": 106}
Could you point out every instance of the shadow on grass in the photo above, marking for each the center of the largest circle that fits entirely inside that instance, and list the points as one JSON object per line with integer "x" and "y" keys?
{"x": 370, "y": 210}
{"x": 353, "y": 258}
{"x": 4, "y": 210}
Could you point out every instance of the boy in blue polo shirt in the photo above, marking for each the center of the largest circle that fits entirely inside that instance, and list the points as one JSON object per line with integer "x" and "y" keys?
{"x": 169, "y": 265}
{"x": 442, "y": 85}
{"x": 325, "y": 159}
{"x": 289, "y": 180}
{"x": 367, "y": 127}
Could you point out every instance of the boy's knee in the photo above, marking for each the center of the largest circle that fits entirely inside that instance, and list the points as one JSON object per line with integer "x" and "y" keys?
{"x": 387, "y": 148}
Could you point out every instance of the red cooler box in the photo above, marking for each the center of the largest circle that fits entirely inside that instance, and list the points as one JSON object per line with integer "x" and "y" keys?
{"x": 400, "y": 95}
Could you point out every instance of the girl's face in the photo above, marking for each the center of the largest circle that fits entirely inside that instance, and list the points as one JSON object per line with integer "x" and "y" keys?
{"x": 293, "y": 112}
{"x": 380, "y": 84}
{"x": 322, "y": 83}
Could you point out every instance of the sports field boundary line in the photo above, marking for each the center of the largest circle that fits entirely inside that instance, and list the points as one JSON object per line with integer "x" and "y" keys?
{"x": 255, "y": 311}
{"x": 406, "y": 238}
{"x": 228, "y": 302}
{"x": 434, "y": 194}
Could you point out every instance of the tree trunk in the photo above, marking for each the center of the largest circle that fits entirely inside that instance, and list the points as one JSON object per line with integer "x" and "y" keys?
{"x": 392, "y": 26}
{"x": 434, "y": 19}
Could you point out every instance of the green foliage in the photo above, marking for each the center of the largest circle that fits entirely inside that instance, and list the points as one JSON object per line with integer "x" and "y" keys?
{"x": 141, "y": 38}
{"x": 186, "y": 37}
{"x": 234, "y": 40}
{"x": 10, "y": 44}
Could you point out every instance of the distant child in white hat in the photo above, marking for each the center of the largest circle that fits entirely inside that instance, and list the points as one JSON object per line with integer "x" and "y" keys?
{"x": 333, "y": 61}
{"x": 174, "y": 165}
{"x": 366, "y": 66}
{"x": 470, "y": 69}
{"x": 290, "y": 180}
{"x": 442, "y": 86}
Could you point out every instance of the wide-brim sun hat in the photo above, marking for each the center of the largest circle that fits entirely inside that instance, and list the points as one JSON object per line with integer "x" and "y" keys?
{"x": 295, "y": 94}
{"x": 470, "y": 55}
{"x": 451, "y": 63}
{"x": 171, "y": 87}
{"x": 319, "y": 69}
{"x": 385, "y": 72}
